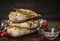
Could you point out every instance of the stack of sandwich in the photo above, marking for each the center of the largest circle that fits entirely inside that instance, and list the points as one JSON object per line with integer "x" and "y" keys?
{"x": 22, "y": 22}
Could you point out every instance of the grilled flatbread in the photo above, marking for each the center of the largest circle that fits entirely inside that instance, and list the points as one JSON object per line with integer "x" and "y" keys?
{"x": 16, "y": 31}
{"x": 22, "y": 15}
{"x": 28, "y": 24}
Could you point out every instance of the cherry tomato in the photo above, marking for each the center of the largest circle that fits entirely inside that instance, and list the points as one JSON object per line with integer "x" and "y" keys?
{"x": 45, "y": 25}
{"x": 5, "y": 34}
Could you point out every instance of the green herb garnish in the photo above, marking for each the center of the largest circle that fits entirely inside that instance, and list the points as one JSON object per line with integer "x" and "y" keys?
{"x": 3, "y": 39}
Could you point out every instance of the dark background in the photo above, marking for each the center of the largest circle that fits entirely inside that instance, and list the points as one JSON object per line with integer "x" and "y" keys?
{"x": 49, "y": 9}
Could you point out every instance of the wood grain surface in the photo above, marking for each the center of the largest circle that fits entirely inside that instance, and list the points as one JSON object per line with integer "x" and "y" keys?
{"x": 37, "y": 36}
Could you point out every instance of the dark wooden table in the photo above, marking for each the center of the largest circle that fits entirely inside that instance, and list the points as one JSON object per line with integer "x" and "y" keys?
{"x": 36, "y": 36}
{"x": 31, "y": 37}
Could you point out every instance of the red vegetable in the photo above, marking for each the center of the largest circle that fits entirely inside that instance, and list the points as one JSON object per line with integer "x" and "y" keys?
{"x": 5, "y": 34}
{"x": 45, "y": 25}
